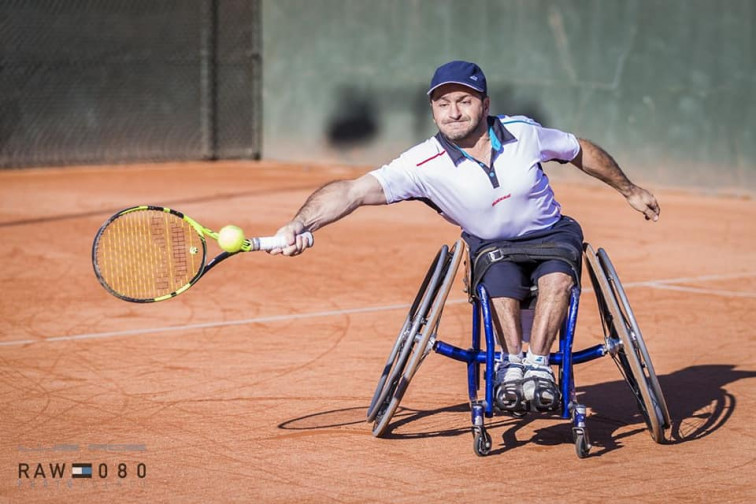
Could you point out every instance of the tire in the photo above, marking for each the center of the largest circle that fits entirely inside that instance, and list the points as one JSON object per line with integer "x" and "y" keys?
{"x": 416, "y": 338}
{"x": 626, "y": 344}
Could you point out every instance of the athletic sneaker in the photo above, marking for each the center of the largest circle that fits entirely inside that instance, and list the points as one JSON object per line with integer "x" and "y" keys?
{"x": 508, "y": 372}
{"x": 508, "y": 384}
{"x": 539, "y": 386}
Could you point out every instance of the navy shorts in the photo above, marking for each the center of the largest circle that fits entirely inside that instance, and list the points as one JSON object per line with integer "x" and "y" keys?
{"x": 513, "y": 280}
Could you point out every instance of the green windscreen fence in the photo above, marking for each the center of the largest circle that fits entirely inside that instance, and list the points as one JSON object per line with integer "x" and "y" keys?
{"x": 104, "y": 81}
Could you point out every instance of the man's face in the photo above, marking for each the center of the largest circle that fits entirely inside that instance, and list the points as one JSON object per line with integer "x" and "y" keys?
{"x": 458, "y": 111}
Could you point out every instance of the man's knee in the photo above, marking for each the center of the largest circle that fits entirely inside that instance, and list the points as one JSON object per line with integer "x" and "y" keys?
{"x": 557, "y": 283}
{"x": 505, "y": 305}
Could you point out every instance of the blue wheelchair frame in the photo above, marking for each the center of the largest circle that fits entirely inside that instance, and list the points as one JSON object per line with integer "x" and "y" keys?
{"x": 622, "y": 340}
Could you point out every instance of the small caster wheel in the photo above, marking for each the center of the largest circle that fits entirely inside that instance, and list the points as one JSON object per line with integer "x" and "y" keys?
{"x": 582, "y": 445}
{"x": 481, "y": 443}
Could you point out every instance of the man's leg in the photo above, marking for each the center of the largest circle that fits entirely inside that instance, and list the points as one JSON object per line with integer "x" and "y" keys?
{"x": 506, "y": 319}
{"x": 505, "y": 314}
{"x": 551, "y": 307}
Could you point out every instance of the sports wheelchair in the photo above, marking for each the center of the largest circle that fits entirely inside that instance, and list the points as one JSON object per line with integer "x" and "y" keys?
{"x": 622, "y": 341}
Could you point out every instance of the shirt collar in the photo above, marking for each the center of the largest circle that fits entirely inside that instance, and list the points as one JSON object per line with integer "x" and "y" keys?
{"x": 499, "y": 136}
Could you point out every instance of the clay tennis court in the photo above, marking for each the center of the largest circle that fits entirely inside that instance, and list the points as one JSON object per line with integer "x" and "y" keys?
{"x": 253, "y": 386}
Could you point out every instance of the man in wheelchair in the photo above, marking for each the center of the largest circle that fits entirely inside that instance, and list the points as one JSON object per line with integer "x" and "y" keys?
{"x": 484, "y": 174}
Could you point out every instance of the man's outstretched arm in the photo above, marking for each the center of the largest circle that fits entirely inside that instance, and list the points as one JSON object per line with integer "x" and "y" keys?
{"x": 596, "y": 162}
{"x": 328, "y": 204}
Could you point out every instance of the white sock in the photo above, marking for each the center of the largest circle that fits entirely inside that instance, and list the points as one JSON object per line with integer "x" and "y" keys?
{"x": 515, "y": 358}
{"x": 541, "y": 360}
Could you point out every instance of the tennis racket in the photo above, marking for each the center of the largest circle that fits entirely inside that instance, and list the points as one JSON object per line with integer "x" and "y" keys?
{"x": 145, "y": 254}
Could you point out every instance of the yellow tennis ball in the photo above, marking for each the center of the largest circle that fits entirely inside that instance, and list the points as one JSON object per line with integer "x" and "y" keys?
{"x": 231, "y": 238}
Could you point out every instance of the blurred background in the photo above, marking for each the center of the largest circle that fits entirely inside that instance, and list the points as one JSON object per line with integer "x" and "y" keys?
{"x": 666, "y": 86}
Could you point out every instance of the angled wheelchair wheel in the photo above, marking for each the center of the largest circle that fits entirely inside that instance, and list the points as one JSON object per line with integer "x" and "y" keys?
{"x": 639, "y": 343}
{"x": 625, "y": 343}
{"x": 416, "y": 338}
{"x": 397, "y": 359}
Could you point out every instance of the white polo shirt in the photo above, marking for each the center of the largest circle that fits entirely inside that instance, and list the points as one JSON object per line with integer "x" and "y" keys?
{"x": 506, "y": 200}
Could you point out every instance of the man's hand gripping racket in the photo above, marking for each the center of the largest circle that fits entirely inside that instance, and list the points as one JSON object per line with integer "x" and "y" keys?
{"x": 145, "y": 254}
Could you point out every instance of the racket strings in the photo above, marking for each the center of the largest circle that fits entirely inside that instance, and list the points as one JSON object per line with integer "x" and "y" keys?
{"x": 148, "y": 254}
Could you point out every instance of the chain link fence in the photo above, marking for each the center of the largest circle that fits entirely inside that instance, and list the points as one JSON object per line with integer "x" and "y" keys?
{"x": 108, "y": 81}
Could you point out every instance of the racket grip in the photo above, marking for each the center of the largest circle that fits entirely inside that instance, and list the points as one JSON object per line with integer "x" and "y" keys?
{"x": 273, "y": 242}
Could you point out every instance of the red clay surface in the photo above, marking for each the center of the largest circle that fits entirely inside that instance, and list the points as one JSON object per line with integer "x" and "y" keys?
{"x": 253, "y": 386}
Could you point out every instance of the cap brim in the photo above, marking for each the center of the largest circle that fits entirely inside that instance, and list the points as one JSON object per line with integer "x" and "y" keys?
{"x": 466, "y": 84}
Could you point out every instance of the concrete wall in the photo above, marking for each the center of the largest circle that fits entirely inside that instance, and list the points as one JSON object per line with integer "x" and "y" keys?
{"x": 667, "y": 86}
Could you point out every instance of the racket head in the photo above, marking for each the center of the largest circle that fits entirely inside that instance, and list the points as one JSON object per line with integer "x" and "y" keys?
{"x": 145, "y": 254}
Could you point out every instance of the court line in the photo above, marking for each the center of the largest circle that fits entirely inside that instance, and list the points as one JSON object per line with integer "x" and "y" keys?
{"x": 169, "y": 203}
{"x": 670, "y": 285}
{"x": 696, "y": 290}
{"x": 654, "y": 284}
{"x": 208, "y": 325}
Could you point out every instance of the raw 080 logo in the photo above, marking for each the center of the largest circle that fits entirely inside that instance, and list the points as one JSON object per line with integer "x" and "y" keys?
{"x": 80, "y": 470}
{"x": 69, "y": 473}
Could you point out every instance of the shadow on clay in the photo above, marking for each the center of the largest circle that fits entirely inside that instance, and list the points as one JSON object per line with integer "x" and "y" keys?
{"x": 697, "y": 398}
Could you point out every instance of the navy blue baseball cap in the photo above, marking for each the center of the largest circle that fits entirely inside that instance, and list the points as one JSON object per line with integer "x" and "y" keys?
{"x": 459, "y": 72}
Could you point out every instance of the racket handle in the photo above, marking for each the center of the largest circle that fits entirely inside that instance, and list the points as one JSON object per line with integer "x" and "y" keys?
{"x": 273, "y": 242}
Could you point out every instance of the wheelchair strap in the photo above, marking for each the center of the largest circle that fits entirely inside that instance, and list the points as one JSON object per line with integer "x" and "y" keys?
{"x": 522, "y": 255}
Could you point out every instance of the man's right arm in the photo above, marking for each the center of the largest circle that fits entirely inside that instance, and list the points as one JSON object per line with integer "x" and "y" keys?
{"x": 328, "y": 204}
